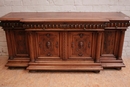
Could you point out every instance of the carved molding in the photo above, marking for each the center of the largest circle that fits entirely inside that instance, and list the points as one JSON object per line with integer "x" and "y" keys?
{"x": 65, "y": 26}
{"x": 93, "y": 25}
{"x": 11, "y": 24}
{"x": 117, "y": 24}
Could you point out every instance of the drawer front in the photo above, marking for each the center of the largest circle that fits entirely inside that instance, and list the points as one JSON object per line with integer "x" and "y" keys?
{"x": 80, "y": 44}
{"x": 48, "y": 44}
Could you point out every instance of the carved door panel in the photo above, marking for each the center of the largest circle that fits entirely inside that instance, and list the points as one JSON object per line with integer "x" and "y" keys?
{"x": 48, "y": 44}
{"x": 20, "y": 44}
{"x": 110, "y": 43}
{"x": 80, "y": 44}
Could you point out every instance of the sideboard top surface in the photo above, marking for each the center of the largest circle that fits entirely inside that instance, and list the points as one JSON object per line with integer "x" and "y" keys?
{"x": 64, "y": 16}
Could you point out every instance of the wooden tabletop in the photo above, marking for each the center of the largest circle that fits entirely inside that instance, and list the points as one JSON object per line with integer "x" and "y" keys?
{"x": 64, "y": 16}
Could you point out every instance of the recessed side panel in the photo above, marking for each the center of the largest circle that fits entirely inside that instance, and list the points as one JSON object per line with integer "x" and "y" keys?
{"x": 110, "y": 43}
{"x": 20, "y": 43}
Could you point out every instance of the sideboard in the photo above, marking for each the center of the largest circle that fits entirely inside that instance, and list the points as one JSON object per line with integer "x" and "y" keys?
{"x": 66, "y": 41}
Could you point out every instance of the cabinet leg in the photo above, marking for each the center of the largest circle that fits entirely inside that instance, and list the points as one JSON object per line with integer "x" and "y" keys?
{"x": 98, "y": 71}
{"x": 11, "y": 57}
{"x": 11, "y": 68}
{"x": 32, "y": 71}
{"x": 97, "y": 61}
{"x": 118, "y": 68}
{"x": 33, "y": 60}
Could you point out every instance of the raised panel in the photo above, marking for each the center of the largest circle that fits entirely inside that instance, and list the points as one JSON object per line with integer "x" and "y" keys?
{"x": 20, "y": 43}
{"x": 80, "y": 44}
{"x": 109, "y": 43}
{"x": 48, "y": 44}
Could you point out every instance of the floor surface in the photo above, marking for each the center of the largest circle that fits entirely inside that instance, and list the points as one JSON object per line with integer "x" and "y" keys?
{"x": 22, "y": 78}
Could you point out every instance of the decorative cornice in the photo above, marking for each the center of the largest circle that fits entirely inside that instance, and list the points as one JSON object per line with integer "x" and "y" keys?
{"x": 93, "y": 25}
{"x": 11, "y": 24}
{"x": 65, "y": 25}
{"x": 117, "y": 24}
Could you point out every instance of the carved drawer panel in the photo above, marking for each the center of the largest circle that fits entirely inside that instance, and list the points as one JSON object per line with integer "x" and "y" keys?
{"x": 48, "y": 44}
{"x": 80, "y": 44}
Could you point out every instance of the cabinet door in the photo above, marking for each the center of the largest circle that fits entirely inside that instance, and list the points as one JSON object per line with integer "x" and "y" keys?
{"x": 80, "y": 44}
{"x": 48, "y": 44}
{"x": 110, "y": 43}
{"x": 20, "y": 45}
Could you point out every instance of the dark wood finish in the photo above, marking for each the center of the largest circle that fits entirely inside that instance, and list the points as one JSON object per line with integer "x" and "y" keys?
{"x": 65, "y": 40}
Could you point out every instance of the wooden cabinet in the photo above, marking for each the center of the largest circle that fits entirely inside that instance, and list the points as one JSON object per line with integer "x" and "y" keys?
{"x": 65, "y": 41}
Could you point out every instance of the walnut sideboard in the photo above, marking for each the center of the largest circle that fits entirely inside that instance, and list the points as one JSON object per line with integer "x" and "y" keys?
{"x": 79, "y": 41}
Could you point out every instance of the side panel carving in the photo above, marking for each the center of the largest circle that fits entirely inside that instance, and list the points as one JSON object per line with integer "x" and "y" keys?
{"x": 109, "y": 43}
{"x": 109, "y": 40}
{"x": 20, "y": 43}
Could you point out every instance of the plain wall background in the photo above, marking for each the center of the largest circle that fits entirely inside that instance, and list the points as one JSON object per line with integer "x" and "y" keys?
{"x": 7, "y": 6}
